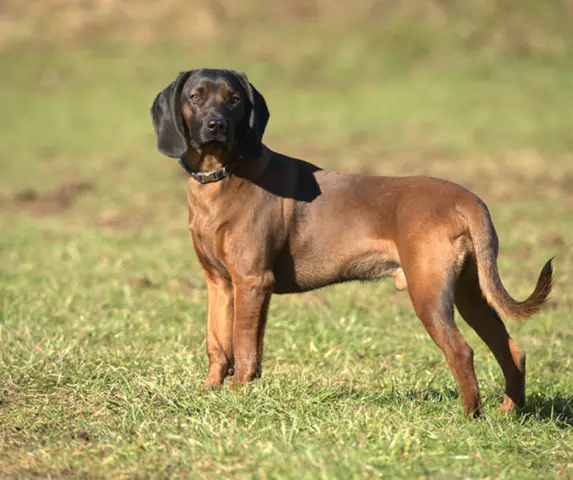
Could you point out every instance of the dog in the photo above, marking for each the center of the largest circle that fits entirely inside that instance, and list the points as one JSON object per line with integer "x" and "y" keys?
{"x": 264, "y": 223}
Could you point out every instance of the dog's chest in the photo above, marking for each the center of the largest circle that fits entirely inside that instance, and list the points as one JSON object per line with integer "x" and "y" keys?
{"x": 207, "y": 233}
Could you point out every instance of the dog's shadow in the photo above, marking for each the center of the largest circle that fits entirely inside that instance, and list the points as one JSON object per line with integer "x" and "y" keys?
{"x": 557, "y": 409}
{"x": 538, "y": 407}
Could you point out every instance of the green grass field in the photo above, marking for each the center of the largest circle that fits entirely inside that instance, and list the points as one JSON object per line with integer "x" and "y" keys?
{"x": 103, "y": 304}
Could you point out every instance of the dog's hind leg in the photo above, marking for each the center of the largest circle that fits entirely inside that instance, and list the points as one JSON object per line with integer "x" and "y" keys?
{"x": 429, "y": 266}
{"x": 489, "y": 326}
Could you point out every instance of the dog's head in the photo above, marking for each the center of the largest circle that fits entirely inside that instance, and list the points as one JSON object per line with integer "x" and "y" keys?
{"x": 210, "y": 110}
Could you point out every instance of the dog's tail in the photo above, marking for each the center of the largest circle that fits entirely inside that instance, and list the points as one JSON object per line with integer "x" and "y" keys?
{"x": 485, "y": 242}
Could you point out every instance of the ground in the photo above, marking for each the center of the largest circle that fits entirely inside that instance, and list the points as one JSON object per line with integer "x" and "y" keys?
{"x": 102, "y": 302}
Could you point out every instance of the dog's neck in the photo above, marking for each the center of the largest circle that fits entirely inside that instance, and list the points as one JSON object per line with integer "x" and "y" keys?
{"x": 205, "y": 159}
{"x": 209, "y": 161}
{"x": 200, "y": 160}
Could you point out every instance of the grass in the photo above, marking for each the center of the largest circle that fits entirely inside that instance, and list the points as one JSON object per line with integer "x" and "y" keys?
{"x": 102, "y": 303}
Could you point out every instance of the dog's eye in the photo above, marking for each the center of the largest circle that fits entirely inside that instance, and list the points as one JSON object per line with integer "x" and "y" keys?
{"x": 194, "y": 97}
{"x": 235, "y": 99}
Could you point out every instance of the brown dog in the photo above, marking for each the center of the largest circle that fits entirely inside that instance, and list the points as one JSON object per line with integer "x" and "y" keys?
{"x": 264, "y": 223}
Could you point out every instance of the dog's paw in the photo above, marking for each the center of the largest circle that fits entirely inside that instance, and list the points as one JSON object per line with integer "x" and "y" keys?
{"x": 508, "y": 405}
{"x": 212, "y": 384}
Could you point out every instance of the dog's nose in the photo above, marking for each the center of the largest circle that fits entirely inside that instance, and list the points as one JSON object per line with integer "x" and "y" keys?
{"x": 217, "y": 125}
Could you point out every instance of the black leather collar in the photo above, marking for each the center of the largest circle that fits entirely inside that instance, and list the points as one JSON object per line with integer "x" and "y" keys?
{"x": 213, "y": 175}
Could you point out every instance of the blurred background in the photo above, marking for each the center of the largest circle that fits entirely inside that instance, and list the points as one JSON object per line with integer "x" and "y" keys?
{"x": 440, "y": 87}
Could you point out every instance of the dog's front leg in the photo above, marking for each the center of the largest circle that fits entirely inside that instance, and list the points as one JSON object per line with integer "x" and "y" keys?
{"x": 219, "y": 330}
{"x": 252, "y": 297}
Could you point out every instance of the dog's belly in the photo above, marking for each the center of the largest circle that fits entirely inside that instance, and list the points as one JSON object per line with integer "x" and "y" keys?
{"x": 318, "y": 271}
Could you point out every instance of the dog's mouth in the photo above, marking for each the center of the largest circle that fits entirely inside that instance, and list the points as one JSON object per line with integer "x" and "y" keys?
{"x": 217, "y": 143}
{"x": 214, "y": 146}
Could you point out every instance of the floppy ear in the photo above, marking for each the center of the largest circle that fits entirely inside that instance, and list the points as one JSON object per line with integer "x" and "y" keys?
{"x": 259, "y": 117}
{"x": 168, "y": 120}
